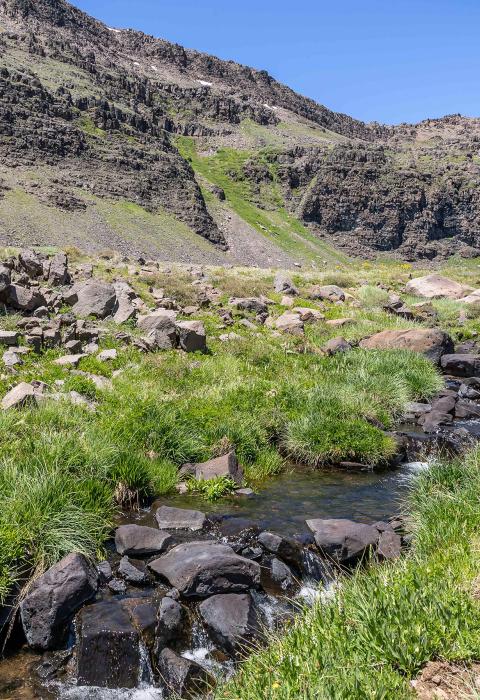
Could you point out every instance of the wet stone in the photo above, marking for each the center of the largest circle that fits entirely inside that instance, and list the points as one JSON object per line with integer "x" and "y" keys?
{"x": 169, "y": 518}
{"x": 202, "y": 569}
{"x": 130, "y": 572}
{"x": 108, "y": 648}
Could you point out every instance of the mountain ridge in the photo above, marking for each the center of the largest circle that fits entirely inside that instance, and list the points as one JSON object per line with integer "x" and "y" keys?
{"x": 108, "y": 109}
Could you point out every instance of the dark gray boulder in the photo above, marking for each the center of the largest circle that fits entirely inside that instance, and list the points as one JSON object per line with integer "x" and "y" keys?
{"x": 203, "y": 569}
{"x": 30, "y": 263}
{"x": 192, "y": 336}
{"x": 54, "y": 599}
{"x": 24, "y": 298}
{"x": 432, "y": 421}
{"x": 5, "y": 277}
{"x": 461, "y": 365}
{"x": 92, "y": 298}
{"x": 139, "y": 541}
{"x": 181, "y": 677}
{"x": 9, "y": 338}
{"x": 281, "y": 574}
{"x": 108, "y": 647}
{"x": 287, "y": 549}
{"x": 163, "y": 338}
{"x": 169, "y": 622}
{"x": 231, "y": 620}
{"x": 143, "y": 615}
{"x": 343, "y": 540}
{"x": 163, "y": 320}
{"x": 169, "y": 518}
{"x": 130, "y": 573}
{"x": 58, "y": 270}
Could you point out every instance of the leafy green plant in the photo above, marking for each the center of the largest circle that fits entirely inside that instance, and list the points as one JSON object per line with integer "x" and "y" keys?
{"x": 212, "y": 489}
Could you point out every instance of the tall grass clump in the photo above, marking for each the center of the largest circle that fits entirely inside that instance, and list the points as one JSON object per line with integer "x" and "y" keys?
{"x": 386, "y": 621}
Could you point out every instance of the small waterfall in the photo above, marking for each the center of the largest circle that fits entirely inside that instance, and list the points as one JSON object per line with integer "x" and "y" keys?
{"x": 201, "y": 652}
{"x": 316, "y": 568}
{"x": 144, "y": 690}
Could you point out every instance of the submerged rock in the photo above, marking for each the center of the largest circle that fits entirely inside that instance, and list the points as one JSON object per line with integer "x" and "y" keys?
{"x": 169, "y": 518}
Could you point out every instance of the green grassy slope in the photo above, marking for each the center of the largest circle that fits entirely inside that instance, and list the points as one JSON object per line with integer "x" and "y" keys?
{"x": 272, "y": 220}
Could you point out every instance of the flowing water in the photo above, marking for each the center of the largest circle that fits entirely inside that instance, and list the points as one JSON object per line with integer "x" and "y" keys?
{"x": 291, "y": 498}
{"x": 283, "y": 506}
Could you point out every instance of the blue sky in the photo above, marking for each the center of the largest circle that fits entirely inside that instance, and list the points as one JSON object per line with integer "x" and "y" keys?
{"x": 383, "y": 60}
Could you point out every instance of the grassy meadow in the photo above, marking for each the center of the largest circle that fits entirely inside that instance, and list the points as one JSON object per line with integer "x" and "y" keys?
{"x": 66, "y": 469}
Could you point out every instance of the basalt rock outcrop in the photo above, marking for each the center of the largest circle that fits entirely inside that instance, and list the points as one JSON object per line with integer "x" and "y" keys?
{"x": 96, "y": 113}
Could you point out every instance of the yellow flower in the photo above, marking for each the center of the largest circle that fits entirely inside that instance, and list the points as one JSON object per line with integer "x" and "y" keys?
{"x": 276, "y": 685}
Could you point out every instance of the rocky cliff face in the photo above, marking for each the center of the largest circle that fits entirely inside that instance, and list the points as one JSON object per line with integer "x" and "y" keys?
{"x": 97, "y": 111}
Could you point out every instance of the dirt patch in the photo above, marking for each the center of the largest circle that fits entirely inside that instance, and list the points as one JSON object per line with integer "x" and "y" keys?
{"x": 441, "y": 680}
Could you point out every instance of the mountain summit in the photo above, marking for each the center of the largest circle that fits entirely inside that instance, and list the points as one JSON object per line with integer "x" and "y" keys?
{"x": 110, "y": 138}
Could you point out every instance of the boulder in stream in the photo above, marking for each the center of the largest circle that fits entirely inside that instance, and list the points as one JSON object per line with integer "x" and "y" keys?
{"x": 108, "y": 648}
{"x": 202, "y": 569}
{"x": 231, "y": 620}
{"x": 169, "y": 518}
{"x": 344, "y": 540}
{"x": 54, "y": 598}
{"x": 138, "y": 541}
{"x": 181, "y": 677}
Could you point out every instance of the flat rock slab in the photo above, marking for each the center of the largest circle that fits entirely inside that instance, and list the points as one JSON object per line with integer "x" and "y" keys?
{"x": 21, "y": 395}
{"x": 69, "y": 360}
{"x": 139, "y": 541}
{"x": 344, "y": 540}
{"x": 158, "y": 320}
{"x": 169, "y": 518}
{"x": 202, "y": 569}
